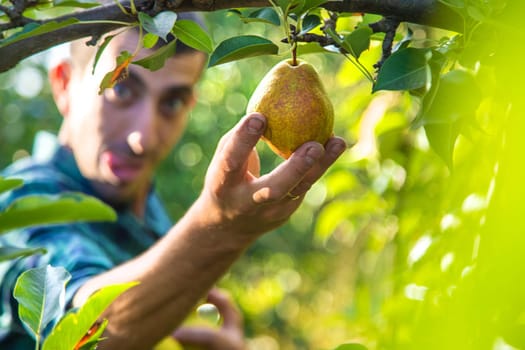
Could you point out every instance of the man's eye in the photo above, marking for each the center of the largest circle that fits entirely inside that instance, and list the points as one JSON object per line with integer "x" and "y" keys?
{"x": 121, "y": 93}
{"x": 172, "y": 106}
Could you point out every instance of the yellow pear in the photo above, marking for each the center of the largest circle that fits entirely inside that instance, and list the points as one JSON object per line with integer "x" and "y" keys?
{"x": 296, "y": 107}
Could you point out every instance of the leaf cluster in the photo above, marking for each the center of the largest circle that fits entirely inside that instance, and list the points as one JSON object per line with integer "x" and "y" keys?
{"x": 36, "y": 210}
{"x": 445, "y": 80}
{"x": 40, "y": 292}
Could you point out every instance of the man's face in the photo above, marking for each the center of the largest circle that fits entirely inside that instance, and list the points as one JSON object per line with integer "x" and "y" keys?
{"x": 119, "y": 137}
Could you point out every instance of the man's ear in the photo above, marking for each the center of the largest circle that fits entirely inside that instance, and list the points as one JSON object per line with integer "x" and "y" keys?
{"x": 60, "y": 76}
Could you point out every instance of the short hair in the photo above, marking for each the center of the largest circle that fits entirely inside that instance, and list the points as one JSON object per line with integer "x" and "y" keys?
{"x": 81, "y": 53}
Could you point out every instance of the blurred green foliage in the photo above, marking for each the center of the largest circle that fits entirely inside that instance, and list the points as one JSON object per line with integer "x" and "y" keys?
{"x": 25, "y": 108}
{"x": 391, "y": 249}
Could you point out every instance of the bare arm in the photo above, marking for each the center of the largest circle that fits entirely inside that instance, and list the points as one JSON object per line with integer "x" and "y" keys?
{"x": 235, "y": 208}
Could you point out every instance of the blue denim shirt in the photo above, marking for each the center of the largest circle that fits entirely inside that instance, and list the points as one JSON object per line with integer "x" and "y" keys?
{"x": 84, "y": 249}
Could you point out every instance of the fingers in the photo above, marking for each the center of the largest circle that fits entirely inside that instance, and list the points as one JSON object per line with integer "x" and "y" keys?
{"x": 209, "y": 339}
{"x": 293, "y": 178}
{"x": 236, "y": 159}
{"x": 232, "y": 318}
{"x": 195, "y": 335}
{"x": 334, "y": 148}
{"x": 254, "y": 164}
{"x": 206, "y": 338}
{"x": 229, "y": 336}
{"x": 237, "y": 146}
{"x": 276, "y": 185}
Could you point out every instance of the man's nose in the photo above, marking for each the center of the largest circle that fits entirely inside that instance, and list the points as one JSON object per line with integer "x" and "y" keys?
{"x": 141, "y": 136}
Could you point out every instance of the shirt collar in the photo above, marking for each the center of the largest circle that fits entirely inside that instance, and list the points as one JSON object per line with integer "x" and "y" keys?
{"x": 46, "y": 148}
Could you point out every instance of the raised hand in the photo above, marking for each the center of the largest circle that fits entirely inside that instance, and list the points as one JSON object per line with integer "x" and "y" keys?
{"x": 245, "y": 202}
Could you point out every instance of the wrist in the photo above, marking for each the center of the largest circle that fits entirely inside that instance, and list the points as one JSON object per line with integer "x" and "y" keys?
{"x": 207, "y": 215}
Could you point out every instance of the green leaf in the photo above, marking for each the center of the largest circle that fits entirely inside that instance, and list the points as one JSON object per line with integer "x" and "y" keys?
{"x": 290, "y": 6}
{"x": 191, "y": 34}
{"x": 405, "y": 69}
{"x": 76, "y": 3}
{"x": 479, "y": 48}
{"x": 72, "y": 327}
{"x": 454, "y": 3}
{"x": 240, "y": 47}
{"x": 156, "y": 60}
{"x": 264, "y": 15}
{"x": 455, "y": 102}
{"x": 101, "y": 49}
{"x": 8, "y": 184}
{"x": 329, "y": 219}
{"x": 283, "y": 4}
{"x": 34, "y": 29}
{"x": 457, "y": 97}
{"x": 369, "y": 18}
{"x": 442, "y": 139}
{"x": 235, "y": 12}
{"x": 10, "y": 252}
{"x": 436, "y": 63}
{"x": 405, "y": 42}
{"x": 149, "y": 40}
{"x": 332, "y": 33}
{"x": 351, "y": 346}
{"x": 476, "y": 13}
{"x": 40, "y": 293}
{"x": 120, "y": 71}
{"x": 338, "y": 214}
{"x": 54, "y": 209}
{"x": 309, "y": 5}
{"x": 357, "y": 41}
{"x": 160, "y": 25}
{"x": 306, "y": 48}
{"x": 303, "y": 6}
{"x": 94, "y": 336}
{"x": 309, "y": 23}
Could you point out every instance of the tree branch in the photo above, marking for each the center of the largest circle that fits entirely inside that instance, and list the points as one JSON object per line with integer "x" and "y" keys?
{"x": 387, "y": 25}
{"x": 426, "y": 12}
{"x": 15, "y": 14}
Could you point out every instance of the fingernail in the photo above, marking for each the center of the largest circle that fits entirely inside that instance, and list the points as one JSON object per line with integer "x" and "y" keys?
{"x": 313, "y": 153}
{"x": 255, "y": 125}
{"x": 337, "y": 149}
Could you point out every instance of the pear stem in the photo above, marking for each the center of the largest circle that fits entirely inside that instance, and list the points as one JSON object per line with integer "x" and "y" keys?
{"x": 294, "y": 54}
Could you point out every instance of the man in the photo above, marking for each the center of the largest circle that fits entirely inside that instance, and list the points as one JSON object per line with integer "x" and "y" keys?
{"x": 109, "y": 146}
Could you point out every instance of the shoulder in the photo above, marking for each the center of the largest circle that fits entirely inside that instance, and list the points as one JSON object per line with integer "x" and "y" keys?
{"x": 30, "y": 169}
{"x": 37, "y": 177}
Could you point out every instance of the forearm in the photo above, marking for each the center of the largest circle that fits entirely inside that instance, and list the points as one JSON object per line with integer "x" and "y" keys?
{"x": 235, "y": 207}
{"x": 173, "y": 275}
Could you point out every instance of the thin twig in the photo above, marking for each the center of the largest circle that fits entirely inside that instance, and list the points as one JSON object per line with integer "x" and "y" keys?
{"x": 387, "y": 25}
{"x": 16, "y": 23}
{"x": 312, "y": 38}
{"x": 9, "y": 12}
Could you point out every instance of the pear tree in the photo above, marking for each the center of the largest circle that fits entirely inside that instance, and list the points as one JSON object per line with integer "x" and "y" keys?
{"x": 455, "y": 279}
